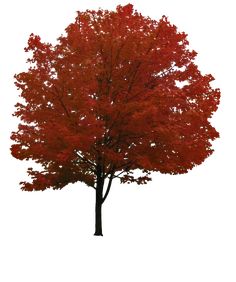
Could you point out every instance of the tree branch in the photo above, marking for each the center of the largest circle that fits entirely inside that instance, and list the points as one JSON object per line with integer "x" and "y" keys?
{"x": 117, "y": 176}
{"x": 86, "y": 160}
{"x": 108, "y": 188}
{"x": 62, "y": 103}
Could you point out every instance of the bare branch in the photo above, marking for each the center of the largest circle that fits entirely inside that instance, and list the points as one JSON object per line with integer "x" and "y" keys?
{"x": 85, "y": 160}
{"x": 118, "y": 175}
{"x": 108, "y": 188}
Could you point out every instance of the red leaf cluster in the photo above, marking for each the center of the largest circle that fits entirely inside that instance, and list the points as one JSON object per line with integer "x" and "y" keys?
{"x": 118, "y": 90}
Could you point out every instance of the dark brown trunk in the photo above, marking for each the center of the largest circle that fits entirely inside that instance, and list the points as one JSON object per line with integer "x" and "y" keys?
{"x": 98, "y": 212}
{"x": 98, "y": 206}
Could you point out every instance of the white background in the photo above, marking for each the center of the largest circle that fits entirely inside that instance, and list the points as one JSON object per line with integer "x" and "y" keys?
{"x": 176, "y": 228}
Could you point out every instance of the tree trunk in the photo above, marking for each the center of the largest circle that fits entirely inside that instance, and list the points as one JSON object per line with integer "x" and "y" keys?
{"x": 98, "y": 207}
{"x": 98, "y": 213}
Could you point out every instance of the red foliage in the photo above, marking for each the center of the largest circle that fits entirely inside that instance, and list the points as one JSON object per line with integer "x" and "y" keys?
{"x": 119, "y": 90}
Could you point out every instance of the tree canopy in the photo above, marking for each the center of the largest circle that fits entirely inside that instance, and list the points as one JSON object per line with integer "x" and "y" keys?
{"x": 118, "y": 92}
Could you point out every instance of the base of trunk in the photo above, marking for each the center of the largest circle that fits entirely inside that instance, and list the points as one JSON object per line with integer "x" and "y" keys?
{"x": 98, "y": 204}
{"x": 98, "y": 234}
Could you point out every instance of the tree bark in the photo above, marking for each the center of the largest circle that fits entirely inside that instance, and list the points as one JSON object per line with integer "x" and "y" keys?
{"x": 98, "y": 205}
{"x": 98, "y": 212}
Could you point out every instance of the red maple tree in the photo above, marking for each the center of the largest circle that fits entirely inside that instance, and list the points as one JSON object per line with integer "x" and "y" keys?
{"x": 118, "y": 92}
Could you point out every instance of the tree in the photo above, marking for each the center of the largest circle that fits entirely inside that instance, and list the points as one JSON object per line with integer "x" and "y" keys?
{"x": 119, "y": 92}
